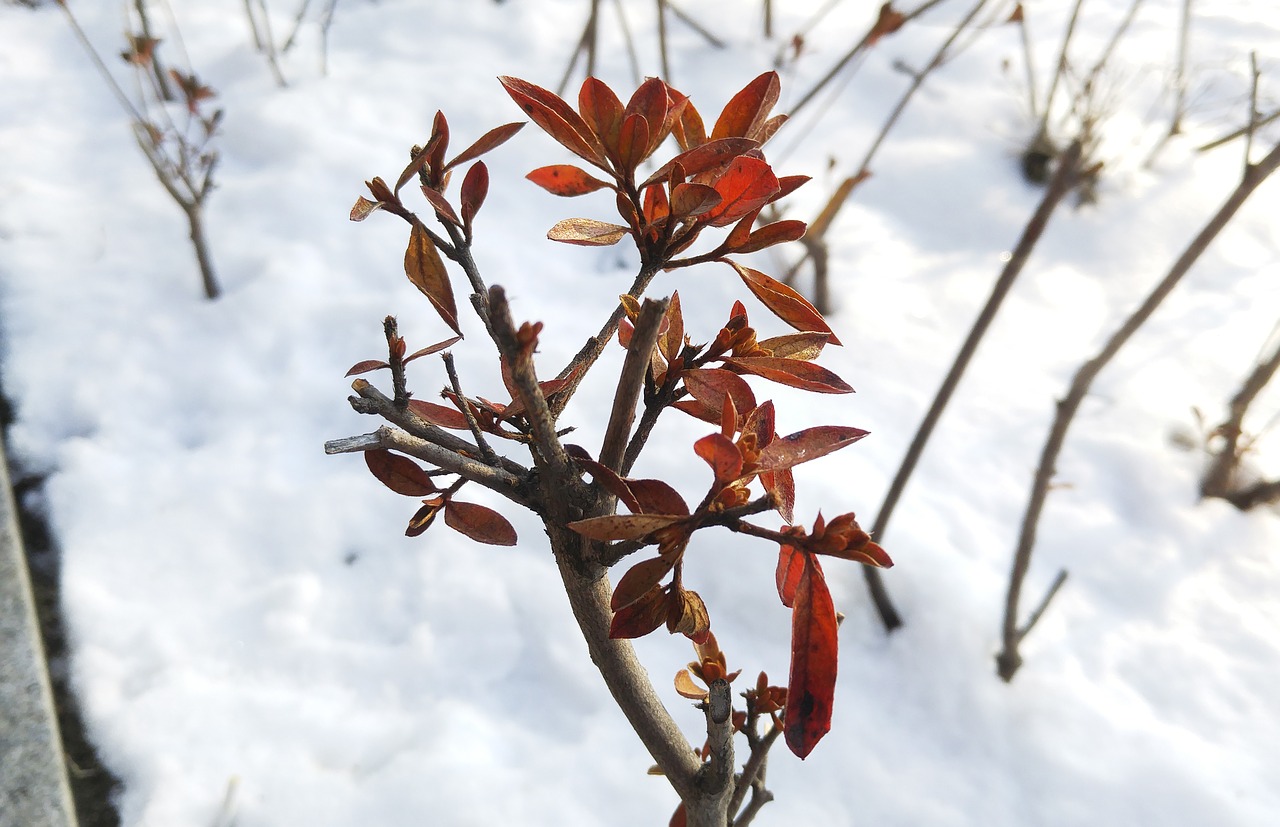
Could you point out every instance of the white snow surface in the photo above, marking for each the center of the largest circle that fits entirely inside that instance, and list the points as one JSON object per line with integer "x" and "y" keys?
{"x": 244, "y": 610}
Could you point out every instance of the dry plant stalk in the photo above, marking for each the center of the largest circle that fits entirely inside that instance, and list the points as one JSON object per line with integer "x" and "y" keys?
{"x": 1222, "y": 478}
{"x": 719, "y": 182}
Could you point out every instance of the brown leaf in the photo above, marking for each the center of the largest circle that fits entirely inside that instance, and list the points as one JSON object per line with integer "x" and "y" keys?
{"x": 793, "y": 373}
{"x": 420, "y": 160}
{"x": 687, "y": 615}
{"x": 722, "y": 455}
{"x": 425, "y": 268}
{"x": 806, "y": 445}
{"x": 475, "y": 188}
{"x": 364, "y": 207}
{"x": 624, "y": 526}
{"x": 656, "y": 497}
{"x": 442, "y": 206}
{"x": 814, "y": 648}
{"x": 380, "y": 191}
{"x": 747, "y": 112}
{"x": 633, "y": 141}
{"x": 490, "y": 140}
{"x": 556, "y": 118}
{"x": 888, "y": 22}
{"x": 691, "y": 200}
{"x": 430, "y": 349}
{"x": 482, "y": 524}
{"x": 565, "y": 180}
{"x": 424, "y": 517}
{"x": 639, "y": 580}
{"x": 401, "y": 474}
{"x": 641, "y": 617}
{"x": 439, "y": 415}
{"x": 778, "y": 232}
{"x": 710, "y": 386}
{"x": 746, "y": 185}
{"x": 366, "y": 366}
{"x": 671, "y": 335}
{"x": 587, "y": 232}
{"x": 609, "y": 480}
{"x": 784, "y": 302}
{"x": 806, "y": 346}
{"x": 689, "y": 129}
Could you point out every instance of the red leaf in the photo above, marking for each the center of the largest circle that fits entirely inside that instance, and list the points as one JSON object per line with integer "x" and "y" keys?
{"x": 788, "y": 184}
{"x": 439, "y": 415}
{"x": 688, "y": 128}
{"x": 679, "y": 818}
{"x": 656, "y": 497}
{"x": 611, "y": 482}
{"x": 641, "y": 617}
{"x": 480, "y": 523}
{"x": 722, "y": 455}
{"x": 430, "y": 349}
{"x": 869, "y": 554}
{"x": 793, "y": 373}
{"x": 778, "y": 232}
{"x": 633, "y": 141}
{"x": 442, "y": 206}
{"x": 490, "y": 140}
{"x": 420, "y": 160}
{"x": 650, "y": 103}
{"x": 656, "y": 206}
{"x": 566, "y": 180}
{"x": 689, "y": 200}
{"x": 475, "y": 187}
{"x": 746, "y": 185}
{"x": 704, "y": 157}
{"x": 556, "y": 118}
{"x": 602, "y": 111}
{"x": 587, "y": 232}
{"x": 781, "y": 485}
{"x": 425, "y": 268}
{"x": 812, "y": 684}
{"x": 783, "y": 302}
{"x": 366, "y": 366}
{"x": 401, "y": 474}
{"x": 710, "y": 386}
{"x": 639, "y": 580}
{"x": 748, "y": 111}
{"x": 790, "y": 567}
{"x": 809, "y": 444}
{"x": 624, "y": 526}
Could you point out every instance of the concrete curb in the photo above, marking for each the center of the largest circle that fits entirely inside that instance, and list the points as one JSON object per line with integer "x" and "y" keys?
{"x": 34, "y": 791}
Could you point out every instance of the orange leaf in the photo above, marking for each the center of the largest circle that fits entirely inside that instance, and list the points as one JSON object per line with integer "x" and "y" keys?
{"x": 689, "y": 200}
{"x": 624, "y": 526}
{"x": 812, "y": 684}
{"x": 366, "y": 366}
{"x": 671, "y": 336}
{"x": 639, "y": 580}
{"x": 425, "y": 268}
{"x": 704, "y": 157}
{"x": 587, "y": 232}
{"x": 722, "y": 455}
{"x": 746, "y": 185}
{"x": 783, "y": 302}
{"x": 566, "y": 180}
{"x": 650, "y": 102}
{"x": 686, "y": 688}
{"x": 790, "y": 567}
{"x": 401, "y": 474}
{"x": 687, "y": 615}
{"x": 809, "y": 444}
{"x": 747, "y": 112}
{"x": 689, "y": 129}
{"x": 793, "y": 373}
{"x": 602, "y": 112}
{"x": 710, "y": 386}
{"x": 633, "y": 141}
{"x": 641, "y": 617}
{"x": 870, "y": 554}
{"x": 781, "y": 485}
{"x": 656, "y": 497}
{"x": 806, "y": 346}
{"x": 490, "y": 140}
{"x": 480, "y": 523}
{"x": 439, "y": 415}
{"x": 778, "y": 232}
{"x": 556, "y": 118}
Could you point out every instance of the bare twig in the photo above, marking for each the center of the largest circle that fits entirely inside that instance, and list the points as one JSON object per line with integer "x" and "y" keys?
{"x": 716, "y": 777}
{"x": 1220, "y": 477}
{"x": 1061, "y": 184}
{"x": 1180, "y": 70}
{"x": 1252, "y": 128}
{"x": 486, "y": 449}
{"x": 1254, "y": 124}
{"x": 1008, "y": 660}
{"x": 1059, "y": 69}
{"x": 630, "y": 383}
{"x": 662, "y": 40}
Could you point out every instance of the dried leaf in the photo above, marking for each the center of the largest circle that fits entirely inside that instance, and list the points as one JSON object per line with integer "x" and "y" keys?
{"x": 793, "y": 373}
{"x": 556, "y": 118}
{"x": 364, "y": 207}
{"x": 686, "y": 688}
{"x": 671, "y": 335}
{"x": 401, "y": 474}
{"x": 424, "y": 516}
{"x": 480, "y": 523}
{"x": 624, "y": 526}
{"x": 784, "y": 302}
{"x": 747, "y": 112}
{"x": 587, "y": 232}
{"x": 366, "y": 366}
{"x": 806, "y": 445}
{"x": 639, "y": 580}
{"x": 814, "y": 647}
{"x": 722, "y": 455}
{"x": 806, "y": 346}
{"x": 687, "y": 615}
{"x": 566, "y": 180}
{"x": 490, "y": 140}
{"x": 425, "y": 268}
{"x": 746, "y": 185}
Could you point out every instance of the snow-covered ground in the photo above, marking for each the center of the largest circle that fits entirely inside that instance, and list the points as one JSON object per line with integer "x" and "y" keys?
{"x": 242, "y": 606}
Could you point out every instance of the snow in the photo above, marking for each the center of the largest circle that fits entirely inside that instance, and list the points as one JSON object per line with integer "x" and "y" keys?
{"x": 244, "y": 611}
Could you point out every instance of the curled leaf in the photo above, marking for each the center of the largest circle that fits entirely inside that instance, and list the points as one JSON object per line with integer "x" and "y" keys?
{"x": 364, "y": 207}
{"x": 639, "y": 580}
{"x": 587, "y": 232}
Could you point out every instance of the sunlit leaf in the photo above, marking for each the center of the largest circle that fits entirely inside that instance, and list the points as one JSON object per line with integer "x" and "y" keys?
{"x": 814, "y": 649}
{"x": 705, "y": 157}
{"x": 783, "y": 301}
{"x": 566, "y": 180}
{"x": 364, "y": 208}
{"x": 425, "y": 268}
{"x": 806, "y": 346}
{"x": 587, "y": 232}
{"x": 781, "y": 485}
{"x": 490, "y": 140}
{"x": 624, "y": 526}
{"x": 792, "y": 373}
{"x": 746, "y": 112}
{"x": 806, "y": 445}
{"x": 710, "y": 386}
{"x": 691, "y": 200}
{"x": 556, "y": 118}
{"x": 746, "y": 185}
{"x": 686, "y": 688}
{"x": 687, "y": 615}
{"x": 718, "y": 451}
{"x": 633, "y": 141}
{"x": 778, "y": 232}
{"x": 602, "y": 111}
{"x": 791, "y": 563}
{"x": 480, "y": 523}
{"x": 401, "y": 474}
